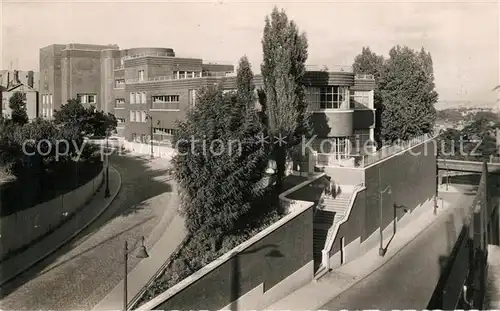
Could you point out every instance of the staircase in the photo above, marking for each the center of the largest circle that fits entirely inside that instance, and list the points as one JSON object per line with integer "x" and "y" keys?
{"x": 323, "y": 220}
{"x": 330, "y": 212}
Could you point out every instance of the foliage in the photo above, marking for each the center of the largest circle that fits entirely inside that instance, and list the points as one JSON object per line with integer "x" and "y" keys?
{"x": 476, "y": 141}
{"x": 244, "y": 83}
{"x": 78, "y": 120}
{"x": 283, "y": 67}
{"x": 217, "y": 177}
{"x": 18, "y": 107}
{"x": 451, "y": 115}
{"x": 195, "y": 254}
{"x": 369, "y": 62}
{"x": 407, "y": 93}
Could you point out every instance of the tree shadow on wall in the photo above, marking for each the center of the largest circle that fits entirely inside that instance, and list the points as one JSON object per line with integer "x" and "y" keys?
{"x": 143, "y": 186}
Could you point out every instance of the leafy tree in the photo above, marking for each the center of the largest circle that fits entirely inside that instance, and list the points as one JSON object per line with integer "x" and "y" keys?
{"x": 244, "y": 82}
{"x": 18, "y": 107}
{"x": 77, "y": 119}
{"x": 369, "y": 62}
{"x": 408, "y": 95}
{"x": 217, "y": 180}
{"x": 283, "y": 67}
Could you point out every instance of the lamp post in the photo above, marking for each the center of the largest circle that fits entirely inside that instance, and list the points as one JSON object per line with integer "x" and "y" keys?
{"x": 106, "y": 192}
{"x": 142, "y": 253}
{"x": 150, "y": 118}
{"x": 381, "y": 250}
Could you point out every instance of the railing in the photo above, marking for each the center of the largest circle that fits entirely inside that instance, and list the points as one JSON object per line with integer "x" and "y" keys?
{"x": 329, "y": 68}
{"x": 120, "y": 67}
{"x": 174, "y": 77}
{"x": 155, "y": 54}
{"x": 120, "y": 106}
{"x": 333, "y": 231}
{"x": 364, "y": 77}
{"x": 387, "y": 151}
{"x": 165, "y": 105}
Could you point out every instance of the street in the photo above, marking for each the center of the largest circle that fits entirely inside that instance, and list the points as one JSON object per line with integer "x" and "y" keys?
{"x": 407, "y": 281}
{"x": 80, "y": 274}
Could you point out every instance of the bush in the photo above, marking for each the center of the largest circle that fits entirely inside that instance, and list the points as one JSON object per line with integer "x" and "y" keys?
{"x": 197, "y": 253}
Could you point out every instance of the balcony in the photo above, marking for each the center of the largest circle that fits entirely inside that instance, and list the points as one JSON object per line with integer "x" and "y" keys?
{"x": 165, "y": 106}
{"x": 329, "y": 68}
{"x": 121, "y": 67}
{"x": 120, "y": 106}
{"x": 174, "y": 77}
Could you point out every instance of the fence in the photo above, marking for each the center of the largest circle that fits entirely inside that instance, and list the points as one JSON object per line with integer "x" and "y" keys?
{"x": 26, "y": 226}
{"x": 387, "y": 151}
{"x": 466, "y": 266}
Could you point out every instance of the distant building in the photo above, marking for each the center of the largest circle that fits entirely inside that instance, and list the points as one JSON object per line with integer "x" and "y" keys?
{"x": 30, "y": 96}
{"x": 9, "y": 78}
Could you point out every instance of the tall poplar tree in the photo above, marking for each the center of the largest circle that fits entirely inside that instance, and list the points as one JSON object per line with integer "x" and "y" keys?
{"x": 408, "y": 95}
{"x": 283, "y": 67}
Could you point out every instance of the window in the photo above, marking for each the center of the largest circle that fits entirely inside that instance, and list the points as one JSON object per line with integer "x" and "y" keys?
{"x": 164, "y": 131}
{"x": 143, "y": 97}
{"x": 144, "y": 119}
{"x": 119, "y": 84}
{"x": 50, "y": 99}
{"x": 137, "y": 98}
{"x": 132, "y": 116}
{"x": 44, "y": 99}
{"x": 134, "y": 137}
{"x": 141, "y": 75}
{"x": 119, "y": 102}
{"x": 132, "y": 98}
{"x": 120, "y": 122}
{"x": 333, "y": 97}
{"x": 84, "y": 98}
{"x": 192, "y": 98}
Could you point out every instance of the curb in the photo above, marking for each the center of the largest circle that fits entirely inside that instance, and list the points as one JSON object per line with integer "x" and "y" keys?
{"x": 361, "y": 278}
{"x": 68, "y": 239}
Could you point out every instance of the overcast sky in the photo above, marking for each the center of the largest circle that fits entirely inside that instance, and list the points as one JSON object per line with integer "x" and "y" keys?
{"x": 463, "y": 37}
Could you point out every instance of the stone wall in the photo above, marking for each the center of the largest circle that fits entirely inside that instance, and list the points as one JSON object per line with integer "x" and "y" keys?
{"x": 24, "y": 227}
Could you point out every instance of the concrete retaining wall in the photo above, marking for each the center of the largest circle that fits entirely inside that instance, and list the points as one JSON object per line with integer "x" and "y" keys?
{"x": 255, "y": 274}
{"x": 24, "y": 227}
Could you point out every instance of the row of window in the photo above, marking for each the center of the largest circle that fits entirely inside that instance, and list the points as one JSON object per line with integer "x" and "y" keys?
{"x": 138, "y": 116}
{"x": 46, "y": 99}
{"x": 165, "y": 99}
{"x": 119, "y": 102}
{"x": 138, "y": 98}
{"x": 47, "y": 112}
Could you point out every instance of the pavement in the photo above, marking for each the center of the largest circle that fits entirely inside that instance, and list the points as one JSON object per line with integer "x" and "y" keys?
{"x": 370, "y": 282}
{"x": 16, "y": 265}
{"x": 84, "y": 271}
{"x": 158, "y": 254}
{"x": 492, "y": 296}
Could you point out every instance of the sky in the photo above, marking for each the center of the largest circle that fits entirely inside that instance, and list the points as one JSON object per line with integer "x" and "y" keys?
{"x": 462, "y": 37}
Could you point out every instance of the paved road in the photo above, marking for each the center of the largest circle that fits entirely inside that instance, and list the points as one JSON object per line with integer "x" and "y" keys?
{"x": 408, "y": 280}
{"x": 79, "y": 275}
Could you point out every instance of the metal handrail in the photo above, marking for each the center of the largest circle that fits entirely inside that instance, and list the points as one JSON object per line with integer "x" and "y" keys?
{"x": 333, "y": 231}
{"x": 329, "y": 68}
{"x": 174, "y": 77}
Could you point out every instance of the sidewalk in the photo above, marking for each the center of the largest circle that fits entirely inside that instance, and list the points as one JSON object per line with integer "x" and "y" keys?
{"x": 16, "y": 265}
{"x": 172, "y": 231}
{"x": 318, "y": 293}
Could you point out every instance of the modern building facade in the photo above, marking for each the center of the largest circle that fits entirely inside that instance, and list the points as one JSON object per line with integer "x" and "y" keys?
{"x": 149, "y": 89}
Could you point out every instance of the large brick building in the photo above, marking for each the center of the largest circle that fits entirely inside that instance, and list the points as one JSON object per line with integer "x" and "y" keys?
{"x": 152, "y": 88}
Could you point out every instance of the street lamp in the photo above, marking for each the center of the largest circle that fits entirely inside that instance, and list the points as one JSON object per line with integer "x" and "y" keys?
{"x": 150, "y": 118}
{"x": 381, "y": 249}
{"x": 106, "y": 192}
{"x": 142, "y": 253}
